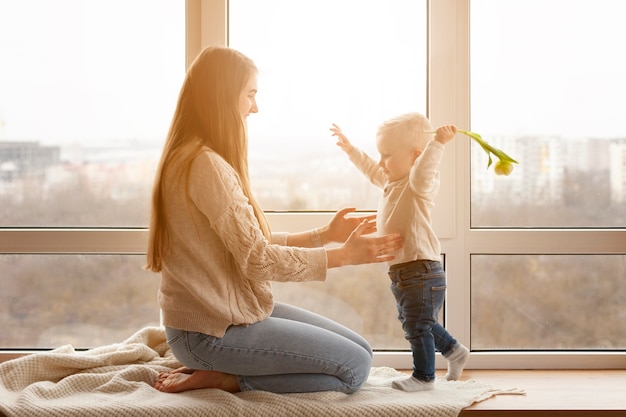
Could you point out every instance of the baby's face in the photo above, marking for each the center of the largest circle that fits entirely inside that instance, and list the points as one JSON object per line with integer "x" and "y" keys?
{"x": 396, "y": 158}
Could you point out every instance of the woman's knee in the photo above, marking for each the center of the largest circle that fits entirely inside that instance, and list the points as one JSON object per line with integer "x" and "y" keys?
{"x": 360, "y": 371}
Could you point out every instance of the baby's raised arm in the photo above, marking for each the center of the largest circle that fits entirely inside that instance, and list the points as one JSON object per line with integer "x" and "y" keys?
{"x": 342, "y": 140}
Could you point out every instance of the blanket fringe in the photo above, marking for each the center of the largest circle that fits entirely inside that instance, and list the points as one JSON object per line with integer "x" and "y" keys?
{"x": 496, "y": 391}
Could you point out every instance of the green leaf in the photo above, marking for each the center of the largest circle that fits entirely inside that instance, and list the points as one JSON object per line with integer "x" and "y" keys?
{"x": 502, "y": 156}
{"x": 488, "y": 148}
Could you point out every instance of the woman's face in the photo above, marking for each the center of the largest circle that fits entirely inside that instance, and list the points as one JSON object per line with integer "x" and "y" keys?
{"x": 247, "y": 98}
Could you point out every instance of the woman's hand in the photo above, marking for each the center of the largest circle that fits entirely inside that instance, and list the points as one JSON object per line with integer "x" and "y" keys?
{"x": 359, "y": 249}
{"x": 340, "y": 227}
{"x": 337, "y": 230}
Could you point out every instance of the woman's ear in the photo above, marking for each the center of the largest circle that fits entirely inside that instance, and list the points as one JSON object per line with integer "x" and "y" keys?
{"x": 415, "y": 154}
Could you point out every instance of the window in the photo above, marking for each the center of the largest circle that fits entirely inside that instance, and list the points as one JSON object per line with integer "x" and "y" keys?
{"x": 319, "y": 74}
{"x": 497, "y": 227}
{"x": 87, "y": 92}
{"x": 84, "y": 109}
{"x": 332, "y": 68}
{"x": 83, "y": 300}
{"x": 552, "y": 99}
{"x": 547, "y": 302}
{"x": 528, "y": 249}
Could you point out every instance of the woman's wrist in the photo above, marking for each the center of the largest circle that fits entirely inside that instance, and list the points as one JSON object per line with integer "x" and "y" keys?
{"x": 319, "y": 236}
{"x": 316, "y": 238}
{"x": 336, "y": 257}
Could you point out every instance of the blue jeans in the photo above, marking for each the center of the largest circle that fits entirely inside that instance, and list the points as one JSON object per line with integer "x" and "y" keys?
{"x": 420, "y": 288}
{"x": 293, "y": 350}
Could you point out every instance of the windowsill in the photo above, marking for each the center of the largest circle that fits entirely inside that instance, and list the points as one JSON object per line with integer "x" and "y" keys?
{"x": 572, "y": 393}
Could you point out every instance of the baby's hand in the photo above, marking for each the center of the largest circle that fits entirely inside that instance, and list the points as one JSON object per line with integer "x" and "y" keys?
{"x": 342, "y": 140}
{"x": 445, "y": 134}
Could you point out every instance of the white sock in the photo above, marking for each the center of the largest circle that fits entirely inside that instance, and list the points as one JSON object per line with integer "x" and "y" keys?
{"x": 456, "y": 362}
{"x": 413, "y": 384}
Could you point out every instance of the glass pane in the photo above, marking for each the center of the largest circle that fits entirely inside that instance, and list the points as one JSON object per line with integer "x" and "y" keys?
{"x": 359, "y": 297}
{"x": 83, "y": 300}
{"x": 348, "y": 62}
{"x": 319, "y": 65}
{"x": 547, "y": 87}
{"x": 548, "y": 302}
{"x": 87, "y": 92}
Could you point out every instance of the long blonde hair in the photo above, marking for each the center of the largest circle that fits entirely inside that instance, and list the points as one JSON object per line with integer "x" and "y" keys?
{"x": 207, "y": 114}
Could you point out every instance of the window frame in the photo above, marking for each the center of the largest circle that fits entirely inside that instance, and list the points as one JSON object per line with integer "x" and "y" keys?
{"x": 448, "y": 91}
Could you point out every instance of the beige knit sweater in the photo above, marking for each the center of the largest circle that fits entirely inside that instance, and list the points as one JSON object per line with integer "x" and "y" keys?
{"x": 218, "y": 266}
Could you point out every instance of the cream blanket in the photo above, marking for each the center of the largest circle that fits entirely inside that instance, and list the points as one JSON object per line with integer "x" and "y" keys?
{"x": 116, "y": 380}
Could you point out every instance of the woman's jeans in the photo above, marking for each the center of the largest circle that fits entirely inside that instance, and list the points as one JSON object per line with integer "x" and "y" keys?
{"x": 419, "y": 288}
{"x": 293, "y": 350}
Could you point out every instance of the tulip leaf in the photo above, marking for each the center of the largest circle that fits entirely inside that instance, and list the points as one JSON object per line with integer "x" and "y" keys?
{"x": 502, "y": 156}
{"x": 488, "y": 148}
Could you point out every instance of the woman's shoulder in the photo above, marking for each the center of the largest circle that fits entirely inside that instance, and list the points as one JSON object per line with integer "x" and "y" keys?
{"x": 208, "y": 153}
{"x": 207, "y": 158}
{"x": 209, "y": 167}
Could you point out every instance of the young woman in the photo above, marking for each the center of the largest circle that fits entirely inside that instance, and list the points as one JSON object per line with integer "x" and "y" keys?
{"x": 212, "y": 244}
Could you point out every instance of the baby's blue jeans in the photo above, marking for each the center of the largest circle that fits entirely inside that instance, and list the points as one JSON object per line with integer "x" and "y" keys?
{"x": 293, "y": 350}
{"x": 420, "y": 288}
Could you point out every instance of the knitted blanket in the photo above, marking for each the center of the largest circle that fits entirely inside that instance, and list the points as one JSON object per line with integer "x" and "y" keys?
{"x": 116, "y": 380}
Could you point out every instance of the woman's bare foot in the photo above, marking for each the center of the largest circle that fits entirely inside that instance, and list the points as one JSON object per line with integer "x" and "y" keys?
{"x": 185, "y": 379}
{"x": 182, "y": 369}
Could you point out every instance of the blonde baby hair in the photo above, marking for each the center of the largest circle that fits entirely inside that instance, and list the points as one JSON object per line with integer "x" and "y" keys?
{"x": 407, "y": 130}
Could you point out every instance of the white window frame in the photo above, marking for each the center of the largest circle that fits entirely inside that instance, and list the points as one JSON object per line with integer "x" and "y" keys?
{"x": 207, "y": 23}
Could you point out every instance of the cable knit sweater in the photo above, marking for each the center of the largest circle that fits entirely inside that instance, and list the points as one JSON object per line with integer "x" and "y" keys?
{"x": 406, "y": 204}
{"x": 218, "y": 266}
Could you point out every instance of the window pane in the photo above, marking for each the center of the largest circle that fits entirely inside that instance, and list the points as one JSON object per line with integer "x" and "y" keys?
{"x": 83, "y": 300}
{"x": 548, "y": 88}
{"x": 359, "y": 297}
{"x": 356, "y": 296}
{"x": 348, "y": 62}
{"x": 321, "y": 64}
{"x": 87, "y": 92}
{"x": 551, "y": 302}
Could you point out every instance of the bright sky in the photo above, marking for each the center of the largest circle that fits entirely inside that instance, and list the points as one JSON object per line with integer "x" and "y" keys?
{"x": 553, "y": 66}
{"x": 58, "y": 81}
{"x": 352, "y": 62}
{"x": 570, "y": 82}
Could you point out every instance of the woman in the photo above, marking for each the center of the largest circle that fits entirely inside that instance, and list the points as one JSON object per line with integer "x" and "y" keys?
{"x": 212, "y": 244}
